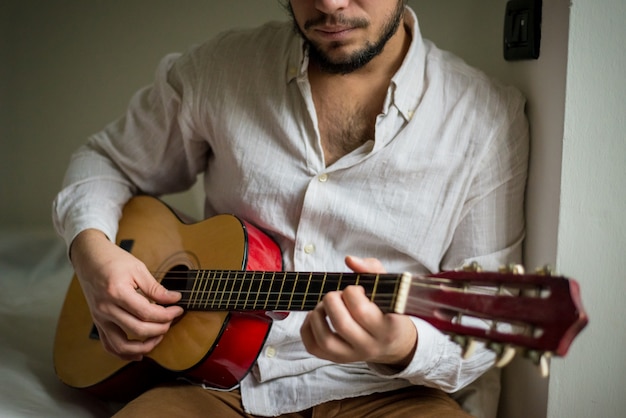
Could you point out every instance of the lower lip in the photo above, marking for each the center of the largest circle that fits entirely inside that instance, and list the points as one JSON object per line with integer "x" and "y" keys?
{"x": 335, "y": 36}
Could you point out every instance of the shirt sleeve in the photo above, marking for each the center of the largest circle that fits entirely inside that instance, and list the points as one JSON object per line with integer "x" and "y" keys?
{"x": 438, "y": 362}
{"x": 491, "y": 229}
{"x": 152, "y": 150}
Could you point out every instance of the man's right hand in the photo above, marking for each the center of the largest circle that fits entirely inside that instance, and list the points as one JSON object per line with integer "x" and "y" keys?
{"x": 120, "y": 292}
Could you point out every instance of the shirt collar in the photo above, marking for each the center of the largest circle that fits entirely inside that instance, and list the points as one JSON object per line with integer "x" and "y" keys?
{"x": 406, "y": 88}
{"x": 298, "y": 59}
{"x": 407, "y": 85}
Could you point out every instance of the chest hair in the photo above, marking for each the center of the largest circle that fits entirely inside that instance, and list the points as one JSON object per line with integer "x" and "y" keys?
{"x": 343, "y": 128}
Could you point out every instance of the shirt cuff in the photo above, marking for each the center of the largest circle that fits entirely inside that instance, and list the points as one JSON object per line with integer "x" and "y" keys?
{"x": 430, "y": 347}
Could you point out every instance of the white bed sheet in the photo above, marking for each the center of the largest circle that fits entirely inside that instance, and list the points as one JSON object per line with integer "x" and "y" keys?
{"x": 34, "y": 275}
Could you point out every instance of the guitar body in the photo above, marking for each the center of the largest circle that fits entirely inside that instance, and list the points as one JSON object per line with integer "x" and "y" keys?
{"x": 215, "y": 348}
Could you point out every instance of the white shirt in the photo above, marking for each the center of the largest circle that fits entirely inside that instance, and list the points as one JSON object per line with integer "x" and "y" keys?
{"x": 441, "y": 184}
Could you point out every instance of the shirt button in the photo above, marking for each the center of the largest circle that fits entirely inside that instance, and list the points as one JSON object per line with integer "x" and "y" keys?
{"x": 309, "y": 249}
{"x": 270, "y": 352}
{"x": 323, "y": 178}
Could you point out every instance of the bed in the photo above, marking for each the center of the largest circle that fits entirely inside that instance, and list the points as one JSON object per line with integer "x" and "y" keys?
{"x": 34, "y": 275}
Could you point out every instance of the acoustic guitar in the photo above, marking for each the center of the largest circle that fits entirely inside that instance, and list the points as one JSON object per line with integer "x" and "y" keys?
{"x": 229, "y": 274}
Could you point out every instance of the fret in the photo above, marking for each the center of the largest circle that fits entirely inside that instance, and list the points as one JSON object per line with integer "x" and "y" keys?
{"x": 259, "y": 290}
{"x": 208, "y": 295}
{"x": 388, "y": 287}
{"x": 293, "y": 290}
{"x": 223, "y": 281}
{"x": 205, "y": 276}
{"x": 232, "y": 289}
{"x": 194, "y": 292}
{"x": 269, "y": 292}
{"x": 201, "y": 277}
{"x": 373, "y": 297}
{"x": 306, "y": 292}
{"x": 249, "y": 291}
{"x": 396, "y": 290}
{"x": 321, "y": 292}
{"x": 319, "y": 282}
{"x": 280, "y": 292}
{"x": 242, "y": 279}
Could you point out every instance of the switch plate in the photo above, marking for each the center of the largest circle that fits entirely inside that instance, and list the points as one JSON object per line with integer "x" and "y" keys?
{"x": 522, "y": 29}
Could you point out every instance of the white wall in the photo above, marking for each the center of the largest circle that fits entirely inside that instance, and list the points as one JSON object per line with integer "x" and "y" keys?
{"x": 592, "y": 227}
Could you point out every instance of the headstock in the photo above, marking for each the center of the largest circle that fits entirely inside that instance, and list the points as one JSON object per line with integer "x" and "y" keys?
{"x": 539, "y": 314}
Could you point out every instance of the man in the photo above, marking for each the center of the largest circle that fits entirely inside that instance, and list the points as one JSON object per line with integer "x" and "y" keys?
{"x": 344, "y": 134}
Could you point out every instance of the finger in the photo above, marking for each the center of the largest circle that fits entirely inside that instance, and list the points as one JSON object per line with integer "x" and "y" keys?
{"x": 136, "y": 296}
{"x": 363, "y": 312}
{"x": 320, "y": 340}
{"x": 364, "y": 265}
{"x": 115, "y": 342}
{"x": 153, "y": 290}
{"x": 391, "y": 338}
{"x": 140, "y": 324}
{"x": 136, "y": 304}
{"x": 345, "y": 319}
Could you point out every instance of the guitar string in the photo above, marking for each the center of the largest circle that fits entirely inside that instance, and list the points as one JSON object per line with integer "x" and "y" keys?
{"x": 298, "y": 300}
{"x": 200, "y": 297}
{"x": 234, "y": 276}
{"x": 457, "y": 282}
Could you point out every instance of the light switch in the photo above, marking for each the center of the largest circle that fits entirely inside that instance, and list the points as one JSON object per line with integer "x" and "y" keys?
{"x": 522, "y": 29}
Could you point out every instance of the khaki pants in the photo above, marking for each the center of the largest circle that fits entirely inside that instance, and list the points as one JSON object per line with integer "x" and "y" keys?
{"x": 191, "y": 401}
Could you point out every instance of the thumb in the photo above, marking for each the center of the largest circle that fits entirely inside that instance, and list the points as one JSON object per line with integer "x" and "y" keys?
{"x": 165, "y": 296}
{"x": 155, "y": 291}
{"x": 364, "y": 265}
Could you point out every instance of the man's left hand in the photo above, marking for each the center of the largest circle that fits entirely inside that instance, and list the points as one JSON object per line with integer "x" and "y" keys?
{"x": 347, "y": 327}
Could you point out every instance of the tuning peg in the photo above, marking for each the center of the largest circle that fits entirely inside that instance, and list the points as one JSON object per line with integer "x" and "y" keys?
{"x": 504, "y": 353}
{"x": 513, "y": 269}
{"x": 542, "y": 360}
{"x": 467, "y": 344}
{"x": 546, "y": 270}
{"x": 473, "y": 267}
{"x": 469, "y": 348}
{"x": 544, "y": 366}
{"x": 505, "y": 358}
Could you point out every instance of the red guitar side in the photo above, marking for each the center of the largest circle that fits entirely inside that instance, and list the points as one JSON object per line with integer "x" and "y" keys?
{"x": 230, "y": 276}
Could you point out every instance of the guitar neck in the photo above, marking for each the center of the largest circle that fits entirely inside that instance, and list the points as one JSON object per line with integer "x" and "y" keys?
{"x": 226, "y": 290}
{"x": 540, "y": 313}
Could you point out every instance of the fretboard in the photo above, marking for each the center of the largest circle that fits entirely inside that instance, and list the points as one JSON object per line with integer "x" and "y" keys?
{"x": 227, "y": 290}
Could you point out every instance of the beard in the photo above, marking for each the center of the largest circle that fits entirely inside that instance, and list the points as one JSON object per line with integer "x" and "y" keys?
{"x": 357, "y": 59}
